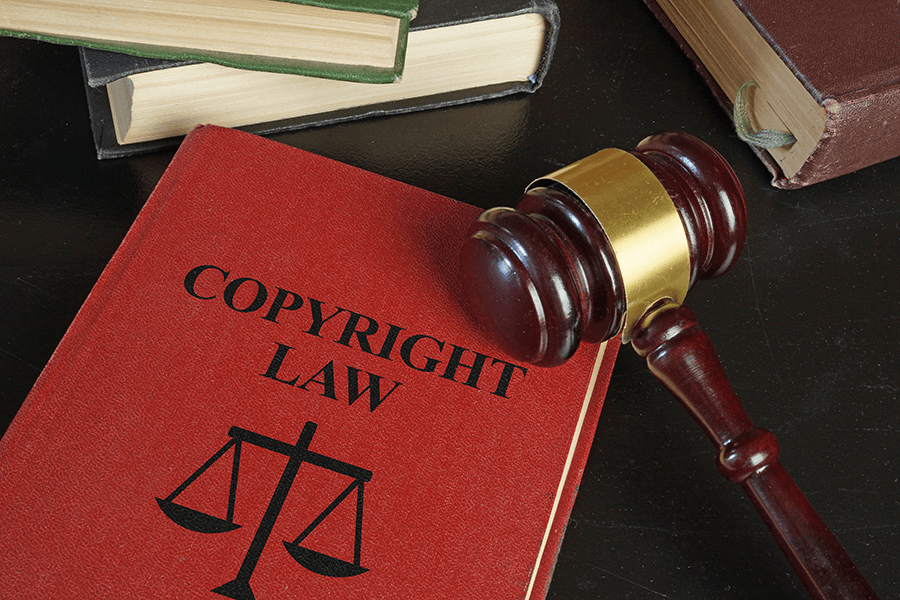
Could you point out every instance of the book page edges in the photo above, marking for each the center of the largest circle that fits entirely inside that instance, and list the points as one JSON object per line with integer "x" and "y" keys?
{"x": 439, "y": 60}
{"x": 401, "y": 9}
{"x": 371, "y": 46}
{"x": 574, "y": 467}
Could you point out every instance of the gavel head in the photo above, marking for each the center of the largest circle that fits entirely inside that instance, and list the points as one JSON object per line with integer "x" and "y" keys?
{"x": 590, "y": 248}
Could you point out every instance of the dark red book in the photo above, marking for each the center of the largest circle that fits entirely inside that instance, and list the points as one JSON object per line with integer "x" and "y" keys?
{"x": 274, "y": 391}
{"x": 828, "y": 73}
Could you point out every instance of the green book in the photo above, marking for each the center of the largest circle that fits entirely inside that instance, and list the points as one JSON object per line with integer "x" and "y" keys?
{"x": 352, "y": 40}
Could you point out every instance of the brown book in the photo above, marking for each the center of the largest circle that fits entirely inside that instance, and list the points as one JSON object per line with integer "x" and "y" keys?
{"x": 828, "y": 73}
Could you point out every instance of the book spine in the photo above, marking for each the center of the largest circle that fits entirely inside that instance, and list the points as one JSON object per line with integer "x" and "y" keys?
{"x": 862, "y": 129}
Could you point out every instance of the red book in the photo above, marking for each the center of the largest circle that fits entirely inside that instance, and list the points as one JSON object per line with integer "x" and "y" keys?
{"x": 275, "y": 391}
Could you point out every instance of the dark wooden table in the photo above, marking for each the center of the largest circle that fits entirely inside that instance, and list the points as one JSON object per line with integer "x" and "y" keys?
{"x": 806, "y": 325}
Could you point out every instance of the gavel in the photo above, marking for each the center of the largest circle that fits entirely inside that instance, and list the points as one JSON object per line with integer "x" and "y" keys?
{"x": 610, "y": 245}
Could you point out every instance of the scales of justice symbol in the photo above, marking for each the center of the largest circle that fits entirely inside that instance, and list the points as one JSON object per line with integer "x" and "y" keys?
{"x": 201, "y": 522}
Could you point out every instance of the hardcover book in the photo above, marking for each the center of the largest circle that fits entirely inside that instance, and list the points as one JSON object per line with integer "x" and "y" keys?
{"x": 826, "y": 72}
{"x": 274, "y": 391}
{"x": 457, "y": 52}
{"x": 354, "y": 40}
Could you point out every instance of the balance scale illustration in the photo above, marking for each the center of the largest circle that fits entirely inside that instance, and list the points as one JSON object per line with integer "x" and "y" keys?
{"x": 201, "y": 522}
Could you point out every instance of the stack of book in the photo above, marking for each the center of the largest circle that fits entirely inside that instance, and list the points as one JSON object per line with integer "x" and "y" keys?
{"x": 154, "y": 69}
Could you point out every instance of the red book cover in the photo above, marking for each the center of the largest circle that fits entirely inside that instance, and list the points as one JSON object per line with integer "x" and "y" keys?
{"x": 275, "y": 391}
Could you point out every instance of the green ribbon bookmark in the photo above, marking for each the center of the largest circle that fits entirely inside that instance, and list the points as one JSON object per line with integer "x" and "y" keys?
{"x": 763, "y": 138}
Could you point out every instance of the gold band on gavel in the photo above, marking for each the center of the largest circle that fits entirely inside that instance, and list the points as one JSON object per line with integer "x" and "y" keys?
{"x": 641, "y": 222}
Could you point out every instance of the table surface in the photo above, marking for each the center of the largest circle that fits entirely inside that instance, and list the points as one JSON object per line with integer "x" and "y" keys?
{"x": 806, "y": 324}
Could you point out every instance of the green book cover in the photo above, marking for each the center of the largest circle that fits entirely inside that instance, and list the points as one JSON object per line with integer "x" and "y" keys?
{"x": 352, "y": 40}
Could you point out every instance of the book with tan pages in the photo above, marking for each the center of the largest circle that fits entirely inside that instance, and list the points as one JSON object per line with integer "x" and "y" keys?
{"x": 353, "y": 40}
{"x": 828, "y": 73}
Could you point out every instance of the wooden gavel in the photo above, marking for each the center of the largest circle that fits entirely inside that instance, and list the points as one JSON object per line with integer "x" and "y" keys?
{"x": 611, "y": 245}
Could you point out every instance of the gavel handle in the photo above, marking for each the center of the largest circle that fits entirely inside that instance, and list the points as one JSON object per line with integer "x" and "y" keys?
{"x": 682, "y": 357}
